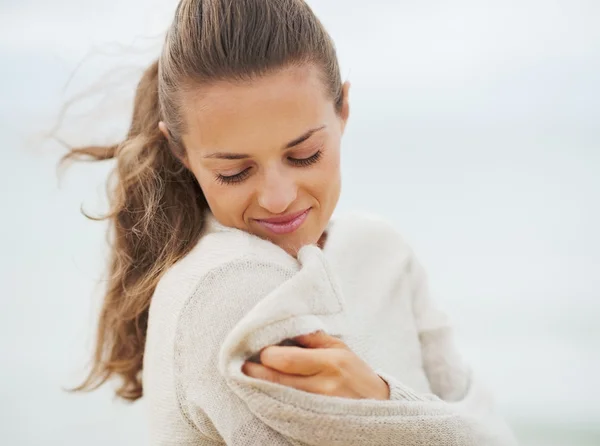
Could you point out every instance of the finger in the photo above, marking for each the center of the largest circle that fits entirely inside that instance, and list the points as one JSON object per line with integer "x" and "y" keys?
{"x": 290, "y": 342}
{"x": 307, "y": 384}
{"x": 259, "y": 371}
{"x": 294, "y": 360}
{"x": 320, "y": 339}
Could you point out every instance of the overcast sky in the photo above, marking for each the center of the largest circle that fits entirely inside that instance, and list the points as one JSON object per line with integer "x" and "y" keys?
{"x": 474, "y": 128}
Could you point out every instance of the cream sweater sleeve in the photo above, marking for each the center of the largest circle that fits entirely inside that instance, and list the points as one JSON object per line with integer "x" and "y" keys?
{"x": 450, "y": 378}
{"x": 248, "y": 304}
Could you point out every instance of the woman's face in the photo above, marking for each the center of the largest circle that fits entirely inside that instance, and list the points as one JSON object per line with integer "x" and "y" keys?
{"x": 267, "y": 154}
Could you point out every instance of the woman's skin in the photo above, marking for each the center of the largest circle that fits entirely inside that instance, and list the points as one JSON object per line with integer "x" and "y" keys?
{"x": 266, "y": 154}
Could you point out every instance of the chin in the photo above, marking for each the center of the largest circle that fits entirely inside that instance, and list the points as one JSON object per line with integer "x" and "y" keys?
{"x": 295, "y": 243}
{"x": 307, "y": 234}
{"x": 290, "y": 245}
{"x": 291, "y": 250}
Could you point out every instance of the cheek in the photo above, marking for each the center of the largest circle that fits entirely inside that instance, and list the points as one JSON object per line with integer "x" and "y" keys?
{"x": 333, "y": 184}
{"x": 227, "y": 202}
{"x": 324, "y": 180}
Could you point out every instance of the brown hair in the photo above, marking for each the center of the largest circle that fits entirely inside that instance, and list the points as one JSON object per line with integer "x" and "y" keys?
{"x": 156, "y": 205}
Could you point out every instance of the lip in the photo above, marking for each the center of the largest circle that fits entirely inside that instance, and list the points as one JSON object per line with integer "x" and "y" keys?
{"x": 285, "y": 224}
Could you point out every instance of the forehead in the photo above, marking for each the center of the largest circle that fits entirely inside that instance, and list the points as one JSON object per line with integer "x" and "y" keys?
{"x": 263, "y": 113}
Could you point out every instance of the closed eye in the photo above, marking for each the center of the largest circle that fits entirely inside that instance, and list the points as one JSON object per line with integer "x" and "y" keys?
{"x": 305, "y": 162}
{"x": 239, "y": 177}
{"x": 233, "y": 179}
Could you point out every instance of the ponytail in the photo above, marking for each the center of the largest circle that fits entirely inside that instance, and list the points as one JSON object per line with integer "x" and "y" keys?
{"x": 156, "y": 216}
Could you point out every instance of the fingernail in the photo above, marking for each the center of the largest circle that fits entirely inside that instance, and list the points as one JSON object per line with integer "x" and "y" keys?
{"x": 271, "y": 352}
{"x": 289, "y": 342}
{"x": 255, "y": 358}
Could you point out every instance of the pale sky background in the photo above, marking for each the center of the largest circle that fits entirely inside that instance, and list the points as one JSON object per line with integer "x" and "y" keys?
{"x": 474, "y": 128}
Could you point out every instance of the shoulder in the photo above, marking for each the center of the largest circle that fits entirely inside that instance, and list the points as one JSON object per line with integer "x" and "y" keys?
{"x": 368, "y": 236}
{"x": 225, "y": 293}
{"x": 367, "y": 226}
{"x": 222, "y": 253}
{"x": 216, "y": 283}
{"x": 229, "y": 272}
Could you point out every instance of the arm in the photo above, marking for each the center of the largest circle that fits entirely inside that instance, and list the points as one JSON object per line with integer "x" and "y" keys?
{"x": 250, "y": 305}
{"x": 449, "y": 376}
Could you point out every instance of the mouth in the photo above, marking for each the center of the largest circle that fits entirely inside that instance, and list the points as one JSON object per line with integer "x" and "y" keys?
{"x": 286, "y": 224}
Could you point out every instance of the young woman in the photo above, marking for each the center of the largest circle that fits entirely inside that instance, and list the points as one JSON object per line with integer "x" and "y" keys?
{"x": 223, "y": 248}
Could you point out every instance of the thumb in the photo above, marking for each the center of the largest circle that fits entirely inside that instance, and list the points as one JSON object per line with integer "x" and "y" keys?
{"x": 319, "y": 339}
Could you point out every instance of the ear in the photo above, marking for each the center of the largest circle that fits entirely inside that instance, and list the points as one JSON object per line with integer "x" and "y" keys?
{"x": 345, "y": 110}
{"x": 165, "y": 131}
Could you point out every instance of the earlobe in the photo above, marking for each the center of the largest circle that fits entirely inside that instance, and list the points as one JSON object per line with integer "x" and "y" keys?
{"x": 163, "y": 129}
{"x": 345, "y": 111}
{"x": 184, "y": 161}
{"x": 181, "y": 157}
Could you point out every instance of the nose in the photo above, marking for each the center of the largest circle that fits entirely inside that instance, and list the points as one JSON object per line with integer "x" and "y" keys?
{"x": 278, "y": 191}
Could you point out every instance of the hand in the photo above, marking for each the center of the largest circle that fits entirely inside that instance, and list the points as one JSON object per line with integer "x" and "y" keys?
{"x": 325, "y": 366}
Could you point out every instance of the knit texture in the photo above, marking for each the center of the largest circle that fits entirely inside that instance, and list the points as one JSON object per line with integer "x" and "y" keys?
{"x": 235, "y": 293}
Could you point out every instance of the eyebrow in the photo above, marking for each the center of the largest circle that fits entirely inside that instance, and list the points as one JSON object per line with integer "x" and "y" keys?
{"x": 289, "y": 145}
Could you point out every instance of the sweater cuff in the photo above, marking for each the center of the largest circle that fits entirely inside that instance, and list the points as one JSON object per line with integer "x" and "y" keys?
{"x": 401, "y": 392}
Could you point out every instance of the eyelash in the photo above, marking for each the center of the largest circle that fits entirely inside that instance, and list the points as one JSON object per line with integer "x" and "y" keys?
{"x": 305, "y": 162}
{"x": 239, "y": 177}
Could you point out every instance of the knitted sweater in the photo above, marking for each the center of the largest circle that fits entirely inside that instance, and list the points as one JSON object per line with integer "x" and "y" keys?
{"x": 235, "y": 293}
